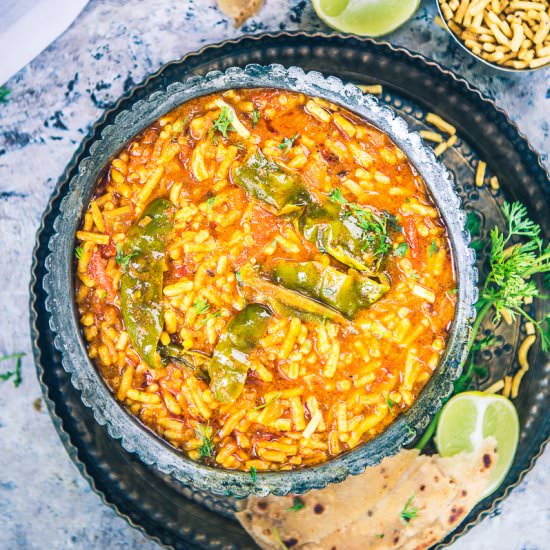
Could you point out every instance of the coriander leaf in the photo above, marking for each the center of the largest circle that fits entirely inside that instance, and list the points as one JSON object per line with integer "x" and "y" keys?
{"x": 379, "y": 536}
{"x": 409, "y": 512}
{"x": 255, "y": 117}
{"x": 253, "y": 474}
{"x": 78, "y": 252}
{"x": 4, "y": 93}
{"x": 123, "y": 259}
{"x": 375, "y": 227}
{"x": 336, "y": 195}
{"x": 223, "y": 123}
{"x": 268, "y": 402}
{"x": 433, "y": 248}
{"x": 401, "y": 249}
{"x": 210, "y": 202}
{"x": 390, "y": 403}
{"x": 298, "y": 505}
{"x": 201, "y": 306}
{"x": 204, "y": 433}
{"x": 213, "y": 315}
{"x": 287, "y": 143}
{"x": 16, "y": 373}
{"x": 473, "y": 223}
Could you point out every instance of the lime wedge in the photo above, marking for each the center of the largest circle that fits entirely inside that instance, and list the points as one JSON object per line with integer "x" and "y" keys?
{"x": 365, "y": 17}
{"x": 470, "y": 417}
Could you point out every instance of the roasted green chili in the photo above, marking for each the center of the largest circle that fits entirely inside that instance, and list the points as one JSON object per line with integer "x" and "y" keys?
{"x": 141, "y": 283}
{"x": 229, "y": 364}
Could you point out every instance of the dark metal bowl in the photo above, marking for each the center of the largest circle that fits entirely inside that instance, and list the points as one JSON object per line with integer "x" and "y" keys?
{"x": 152, "y": 450}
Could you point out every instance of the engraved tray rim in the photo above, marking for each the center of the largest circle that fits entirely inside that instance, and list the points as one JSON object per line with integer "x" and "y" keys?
{"x": 213, "y": 49}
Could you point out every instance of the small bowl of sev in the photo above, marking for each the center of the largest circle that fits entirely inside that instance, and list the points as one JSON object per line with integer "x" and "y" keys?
{"x": 273, "y": 286}
{"x": 509, "y": 35}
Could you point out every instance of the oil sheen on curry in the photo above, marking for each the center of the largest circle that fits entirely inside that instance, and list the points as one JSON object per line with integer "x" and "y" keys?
{"x": 263, "y": 280}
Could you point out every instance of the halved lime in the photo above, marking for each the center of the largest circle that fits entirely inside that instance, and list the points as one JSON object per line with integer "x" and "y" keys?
{"x": 365, "y": 17}
{"x": 470, "y": 417}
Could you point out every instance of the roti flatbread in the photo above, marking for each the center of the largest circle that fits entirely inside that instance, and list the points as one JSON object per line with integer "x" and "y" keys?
{"x": 240, "y": 10}
{"x": 408, "y": 502}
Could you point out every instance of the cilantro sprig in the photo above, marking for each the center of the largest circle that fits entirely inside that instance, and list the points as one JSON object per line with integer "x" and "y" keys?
{"x": 201, "y": 306}
{"x": 375, "y": 227}
{"x": 287, "y": 142}
{"x": 16, "y": 372}
{"x": 298, "y": 505}
{"x": 517, "y": 254}
{"x": 4, "y": 93}
{"x": 222, "y": 124}
{"x": 122, "y": 259}
{"x": 255, "y": 117}
{"x": 409, "y": 512}
{"x": 205, "y": 434}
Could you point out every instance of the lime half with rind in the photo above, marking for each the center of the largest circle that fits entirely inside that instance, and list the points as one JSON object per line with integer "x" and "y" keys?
{"x": 470, "y": 417}
{"x": 365, "y": 17}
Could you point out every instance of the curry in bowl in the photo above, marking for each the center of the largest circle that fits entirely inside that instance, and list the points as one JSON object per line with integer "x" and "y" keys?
{"x": 263, "y": 280}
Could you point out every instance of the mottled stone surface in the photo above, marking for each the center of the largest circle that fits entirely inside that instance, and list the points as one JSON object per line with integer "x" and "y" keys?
{"x": 44, "y": 502}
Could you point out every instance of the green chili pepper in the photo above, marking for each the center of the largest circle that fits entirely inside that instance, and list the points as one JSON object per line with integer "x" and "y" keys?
{"x": 229, "y": 364}
{"x": 141, "y": 284}
{"x": 345, "y": 292}
{"x": 286, "y": 302}
{"x": 266, "y": 181}
{"x": 339, "y": 232}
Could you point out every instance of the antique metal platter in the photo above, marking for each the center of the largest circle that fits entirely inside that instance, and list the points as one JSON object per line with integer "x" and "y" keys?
{"x": 175, "y": 515}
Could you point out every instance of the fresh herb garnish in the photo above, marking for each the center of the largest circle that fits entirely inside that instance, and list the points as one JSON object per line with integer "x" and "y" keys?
{"x": 239, "y": 279}
{"x": 433, "y": 248}
{"x": 78, "y": 252}
{"x": 269, "y": 401}
{"x": 253, "y": 473}
{"x": 401, "y": 249}
{"x": 16, "y": 373}
{"x": 123, "y": 259}
{"x": 409, "y": 430}
{"x": 210, "y": 202}
{"x": 101, "y": 293}
{"x": 473, "y": 223}
{"x": 409, "y": 512}
{"x": 517, "y": 254}
{"x": 4, "y": 93}
{"x": 204, "y": 433}
{"x": 255, "y": 117}
{"x": 287, "y": 143}
{"x": 201, "y": 306}
{"x": 212, "y": 315}
{"x": 390, "y": 403}
{"x": 379, "y": 536}
{"x": 375, "y": 227}
{"x": 223, "y": 123}
{"x": 298, "y": 505}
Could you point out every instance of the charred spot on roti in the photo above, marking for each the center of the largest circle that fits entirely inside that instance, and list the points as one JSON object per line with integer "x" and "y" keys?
{"x": 422, "y": 487}
{"x": 262, "y": 505}
{"x": 369, "y": 513}
{"x": 455, "y": 514}
{"x": 318, "y": 508}
{"x": 289, "y": 543}
{"x": 487, "y": 461}
{"x": 396, "y": 539}
{"x": 464, "y": 492}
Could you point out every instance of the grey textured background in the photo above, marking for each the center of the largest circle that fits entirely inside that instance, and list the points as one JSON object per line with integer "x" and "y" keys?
{"x": 44, "y": 503}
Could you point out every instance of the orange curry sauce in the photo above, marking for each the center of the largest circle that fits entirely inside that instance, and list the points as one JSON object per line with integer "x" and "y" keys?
{"x": 314, "y": 389}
